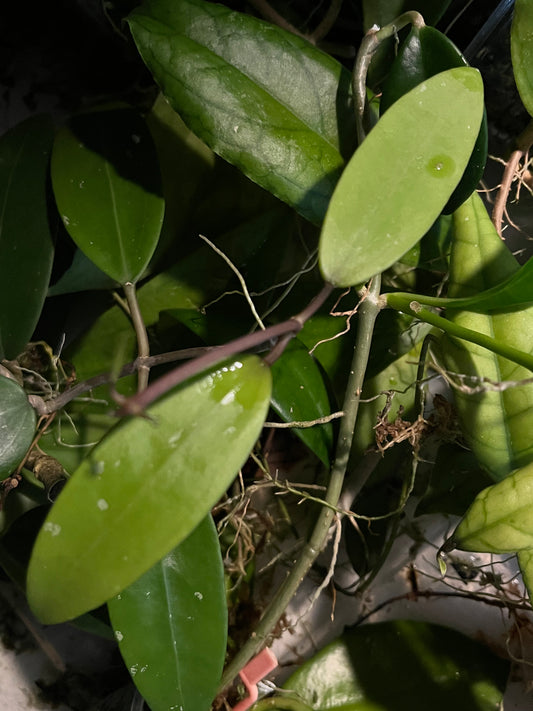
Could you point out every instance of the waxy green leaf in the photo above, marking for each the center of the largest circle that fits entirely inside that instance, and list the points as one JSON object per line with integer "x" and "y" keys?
{"x": 145, "y": 487}
{"x": 401, "y": 176}
{"x": 171, "y": 624}
{"x": 262, "y": 98}
{"x": 26, "y": 245}
{"x": 522, "y": 51}
{"x": 299, "y": 394}
{"x": 17, "y": 425}
{"x": 107, "y": 187}
{"x": 500, "y": 520}
{"x": 425, "y": 667}
{"x": 424, "y": 53}
{"x": 496, "y": 421}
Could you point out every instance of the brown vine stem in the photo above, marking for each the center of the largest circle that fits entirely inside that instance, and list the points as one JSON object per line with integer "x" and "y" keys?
{"x": 143, "y": 347}
{"x": 136, "y": 404}
{"x": 523, "y": 144}
{"x": 367, "y": 315}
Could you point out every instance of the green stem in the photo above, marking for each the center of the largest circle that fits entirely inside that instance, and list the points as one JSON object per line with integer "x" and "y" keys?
{"x": 368, "y": 312}
{"x": 405, "y": 304}
{"x": 367, "y": 49}
{"x": 143, "y": 347}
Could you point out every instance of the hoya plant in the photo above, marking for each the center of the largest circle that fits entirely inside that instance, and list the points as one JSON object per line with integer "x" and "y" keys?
{"x": 271, "y": 238}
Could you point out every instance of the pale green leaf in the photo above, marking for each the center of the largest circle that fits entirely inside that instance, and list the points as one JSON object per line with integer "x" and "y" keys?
{"x": 500, "y": 520}
{"x": 400, "y": 178}
{"x": 496, "y": 421}
{"x": 144, "y": 488}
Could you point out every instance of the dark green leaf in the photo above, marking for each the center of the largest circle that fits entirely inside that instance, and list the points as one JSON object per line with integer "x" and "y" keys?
{"x": 299, "y": 394}
{"x": 17, "y": 425}
{"x": 262, "y": 98}
{"x": 426, "y": 52}
{"x": 495, "y": 421}
{"x": 401, "y": 176}
{"x": 171, "y": 624}
{"x": 521, "y": 50}
{"x": 107, "y": 186}
{"x": 82, "y": 275}
{"x": 144, "y": 488}
{"x": 26, "y": 247}
{"x": 425, "y": 667}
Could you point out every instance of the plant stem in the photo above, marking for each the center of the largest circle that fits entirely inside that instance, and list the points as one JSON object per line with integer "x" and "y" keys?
{"x": 136, "y": 404}
{"x": 367, "y": 49}
{"x": 368, "y": 312}
{"x": 143, "y": 347}
{"x": 414, "y": 308}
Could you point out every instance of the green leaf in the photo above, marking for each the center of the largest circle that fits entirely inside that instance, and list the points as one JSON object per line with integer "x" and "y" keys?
{"x": 144, "y": 488}
{"x": 500, "y": 520}
{"x": 525, "y": 561}
{"x": 426, "y": 52}
{"x": 26, "y": 246}
{"x": 17, "y": 424}
{"x": 495, "y": 421}
{"x": 425, "y": 667}
{"x": 107, "y": 187}
{"x": 82, "y": 275}
{"x": 191, "y": 283}
{"x": 262, "y": 98}
{"x": 400, "y": 178}
{"x": 299, "y": 393}
{"x": 521, "y": 50}
{"x": 171, "y": 624}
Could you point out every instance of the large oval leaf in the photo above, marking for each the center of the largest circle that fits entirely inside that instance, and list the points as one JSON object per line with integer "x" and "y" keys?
{"x": 144, "y": 488}
{"x": 262, "y": 98}
{"x": 425, "y": 667}
{"x": 500, "y": 520}
{"x": 496, "y": 422}
{"x": 26, "y": 246}
{"x": 17, "y": 425}
{"x": 400, "y": 178}
{"x": 424, "y": 53}
{"x": 171, "y": 624}
{"x": 107, "y": 187}
{"x": 299, "y": 393}
{"x": 521, "y": 51}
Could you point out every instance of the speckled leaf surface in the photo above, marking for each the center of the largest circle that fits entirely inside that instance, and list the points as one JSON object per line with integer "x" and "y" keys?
{"x": 495, "y": 421}
{"x": 500, "y": 518}
{"x": 144, "y": 488}
{"x": 262, "y": 98}
{"x": 171, "y": 624}
{"x": 401, "y": 176}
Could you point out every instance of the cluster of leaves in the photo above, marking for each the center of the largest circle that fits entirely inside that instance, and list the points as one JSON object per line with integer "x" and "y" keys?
{"x": 132, "y": 528}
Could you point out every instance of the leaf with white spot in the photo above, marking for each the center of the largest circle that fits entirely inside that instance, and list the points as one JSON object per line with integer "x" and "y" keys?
{"x": 171, "y": 624}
